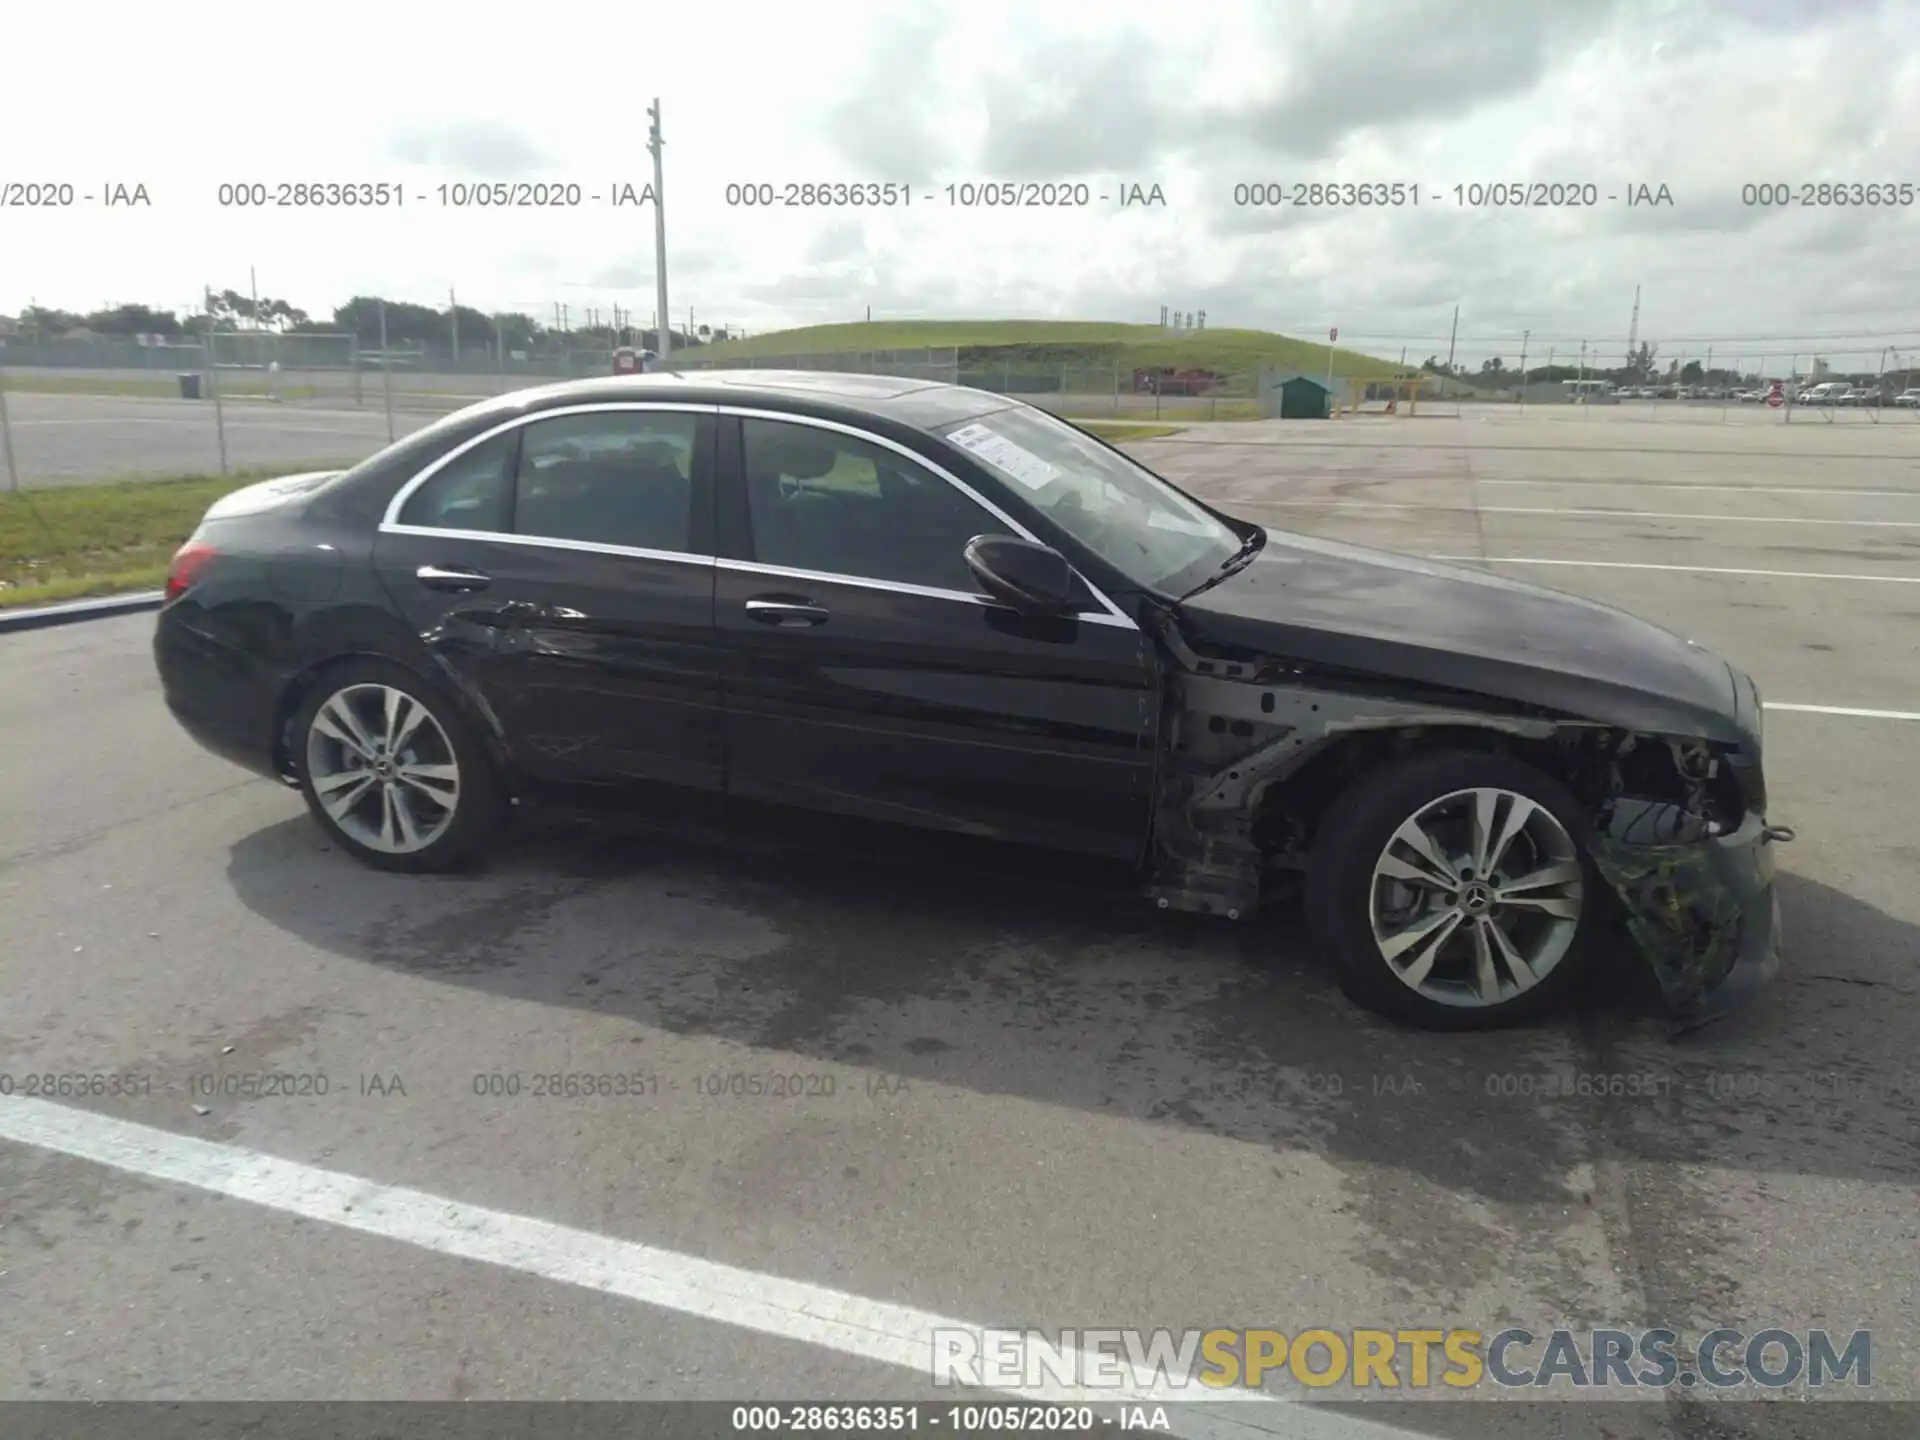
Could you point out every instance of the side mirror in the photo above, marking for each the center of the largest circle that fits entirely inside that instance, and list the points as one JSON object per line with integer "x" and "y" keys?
{"x": 1028, "y": 576}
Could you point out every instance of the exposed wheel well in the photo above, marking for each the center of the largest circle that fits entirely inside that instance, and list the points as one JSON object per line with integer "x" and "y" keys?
{"x": 1289, "y": 812}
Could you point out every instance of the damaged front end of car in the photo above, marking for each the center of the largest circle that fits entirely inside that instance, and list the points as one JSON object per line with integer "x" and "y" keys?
{"x": 1694, "y": 874}
{"x": 1256, "y": 750}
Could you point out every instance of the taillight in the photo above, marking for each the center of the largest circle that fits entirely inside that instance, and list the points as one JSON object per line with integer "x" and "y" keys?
{"x": 189, "y": 562}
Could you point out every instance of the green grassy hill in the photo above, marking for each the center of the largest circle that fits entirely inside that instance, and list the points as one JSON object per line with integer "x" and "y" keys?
{"x": 1029, "y": 343}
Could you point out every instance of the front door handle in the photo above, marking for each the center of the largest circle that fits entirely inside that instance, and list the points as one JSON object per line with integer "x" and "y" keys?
{"x": 786, "y": 614}
{"x": 435, "y": 577}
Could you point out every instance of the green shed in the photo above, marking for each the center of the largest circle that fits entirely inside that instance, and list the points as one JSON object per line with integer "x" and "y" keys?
{"x": 1303, "y": 399}
{"x": 1296, "y": 395}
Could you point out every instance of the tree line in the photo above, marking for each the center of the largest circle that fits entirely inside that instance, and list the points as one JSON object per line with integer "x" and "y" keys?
{"x": 406, "y": 325}
{"x": 1639, "y": 368}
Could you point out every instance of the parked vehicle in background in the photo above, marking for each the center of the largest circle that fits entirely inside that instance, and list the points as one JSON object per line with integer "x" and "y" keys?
{"x": 1860, "y": 395}
{"x": 1591, "y": 392}
{"x": 1827, "y": 392}
{"x": 920, "y": 603}
{"x": 1908, "y": 399}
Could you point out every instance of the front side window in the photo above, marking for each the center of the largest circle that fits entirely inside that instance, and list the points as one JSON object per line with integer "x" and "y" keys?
{"x": 610, "y": 477}
{"x": 1121, "y": 511}
{"x": 473, "y": 491}
{"x": 819, "y": 500}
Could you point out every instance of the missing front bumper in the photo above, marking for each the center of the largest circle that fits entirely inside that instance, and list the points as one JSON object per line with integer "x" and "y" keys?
{"x": 1702, "y": 910}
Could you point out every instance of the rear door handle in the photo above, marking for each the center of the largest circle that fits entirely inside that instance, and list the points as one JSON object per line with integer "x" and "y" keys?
{"x": 436, "y": 578}
{"x": 786, "y": 614}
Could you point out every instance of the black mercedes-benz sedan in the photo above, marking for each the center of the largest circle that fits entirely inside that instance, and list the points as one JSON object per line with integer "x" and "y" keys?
{"x": 927, "y": 604}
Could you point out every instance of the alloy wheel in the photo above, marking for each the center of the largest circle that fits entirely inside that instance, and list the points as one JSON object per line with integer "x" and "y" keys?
{"x": 382, "y": 768}
{"x": 1476, "y": 897}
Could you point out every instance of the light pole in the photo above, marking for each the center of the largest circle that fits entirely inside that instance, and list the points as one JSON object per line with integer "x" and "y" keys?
{"x": 655, "y": 144}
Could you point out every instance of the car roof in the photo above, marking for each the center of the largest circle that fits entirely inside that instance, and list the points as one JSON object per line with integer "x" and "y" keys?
{"x": 923, "y": 404}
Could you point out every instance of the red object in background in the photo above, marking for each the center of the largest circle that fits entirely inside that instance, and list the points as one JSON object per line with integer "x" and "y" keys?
{"x": 1176, "y": 382}
{"x": 626, "y": 362}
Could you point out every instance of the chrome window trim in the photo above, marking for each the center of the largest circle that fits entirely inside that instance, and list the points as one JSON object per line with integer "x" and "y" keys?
{"x": 550, "y": 542}
{"x": 1111, "y": 614}
{"x": 901, "y": 587}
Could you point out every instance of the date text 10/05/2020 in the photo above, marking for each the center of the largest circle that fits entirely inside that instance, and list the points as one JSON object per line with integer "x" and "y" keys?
{"x": 1465, "y": 195}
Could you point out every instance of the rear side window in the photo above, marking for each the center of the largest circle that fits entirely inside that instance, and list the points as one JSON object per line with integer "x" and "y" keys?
{"x": 474, "y": 491}
{"x": 615, "y": 477}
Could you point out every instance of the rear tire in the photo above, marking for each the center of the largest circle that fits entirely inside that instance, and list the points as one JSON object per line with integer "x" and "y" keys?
{"x": 392, "y": 769}
{"x": 1423, "y": 932}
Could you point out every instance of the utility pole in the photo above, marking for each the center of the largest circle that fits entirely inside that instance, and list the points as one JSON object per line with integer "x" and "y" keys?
{"x": 656, "y": 143}
{"x": 1452, "y": 337}
{"x": 1525, "y": 335}
{"x": 386, "y": 371}
{"x": 1633, "y": 334}
{"x": 213, "y": 384}
{"x": 1332, "y": 335}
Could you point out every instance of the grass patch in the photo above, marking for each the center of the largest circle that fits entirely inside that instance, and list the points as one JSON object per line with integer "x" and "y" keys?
{"x": 69, "y": 542}
{"x": 1172, "y": 411}
{"x": 1120, "y": 434}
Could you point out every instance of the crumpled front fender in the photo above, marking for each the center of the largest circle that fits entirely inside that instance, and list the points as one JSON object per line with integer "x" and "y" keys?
{"x": 1701, "y": 908}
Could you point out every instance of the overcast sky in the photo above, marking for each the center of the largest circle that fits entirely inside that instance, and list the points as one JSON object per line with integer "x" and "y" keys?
{"x": 1699, "y": 97}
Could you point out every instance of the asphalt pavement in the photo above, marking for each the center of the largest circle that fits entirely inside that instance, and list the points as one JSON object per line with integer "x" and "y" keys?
{"x": 921, "y": 1079}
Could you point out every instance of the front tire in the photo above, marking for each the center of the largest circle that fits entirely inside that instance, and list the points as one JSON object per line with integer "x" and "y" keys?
{"x": 392, "y": 770}
{"x": 1455, "y": 891}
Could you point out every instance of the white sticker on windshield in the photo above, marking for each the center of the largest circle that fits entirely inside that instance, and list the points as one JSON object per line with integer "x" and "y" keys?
{"x": 1001, "y": 453}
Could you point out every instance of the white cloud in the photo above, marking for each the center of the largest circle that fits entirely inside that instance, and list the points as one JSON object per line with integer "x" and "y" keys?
{"x": 1699, "y": 97}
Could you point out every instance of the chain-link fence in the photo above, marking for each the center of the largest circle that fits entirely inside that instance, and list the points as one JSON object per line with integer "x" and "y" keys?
{"x": 95, "y": 407}
{"x": 306, "y": 368}
{"x": 1085, "y": 389}
{"x": 940, "y": 364}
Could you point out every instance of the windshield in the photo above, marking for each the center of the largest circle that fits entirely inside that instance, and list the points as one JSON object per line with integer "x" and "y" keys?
{"x": 1120, "y": 510}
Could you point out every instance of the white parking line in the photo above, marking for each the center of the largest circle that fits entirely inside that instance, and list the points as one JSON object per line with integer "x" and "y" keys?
{"x": 1843, "y": 710}
{"x": 1557, "y": 510}
{"x": 1684, "y": 569}
{"x": 769, "y": 1304}
{"x": 1602, "y": 484}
